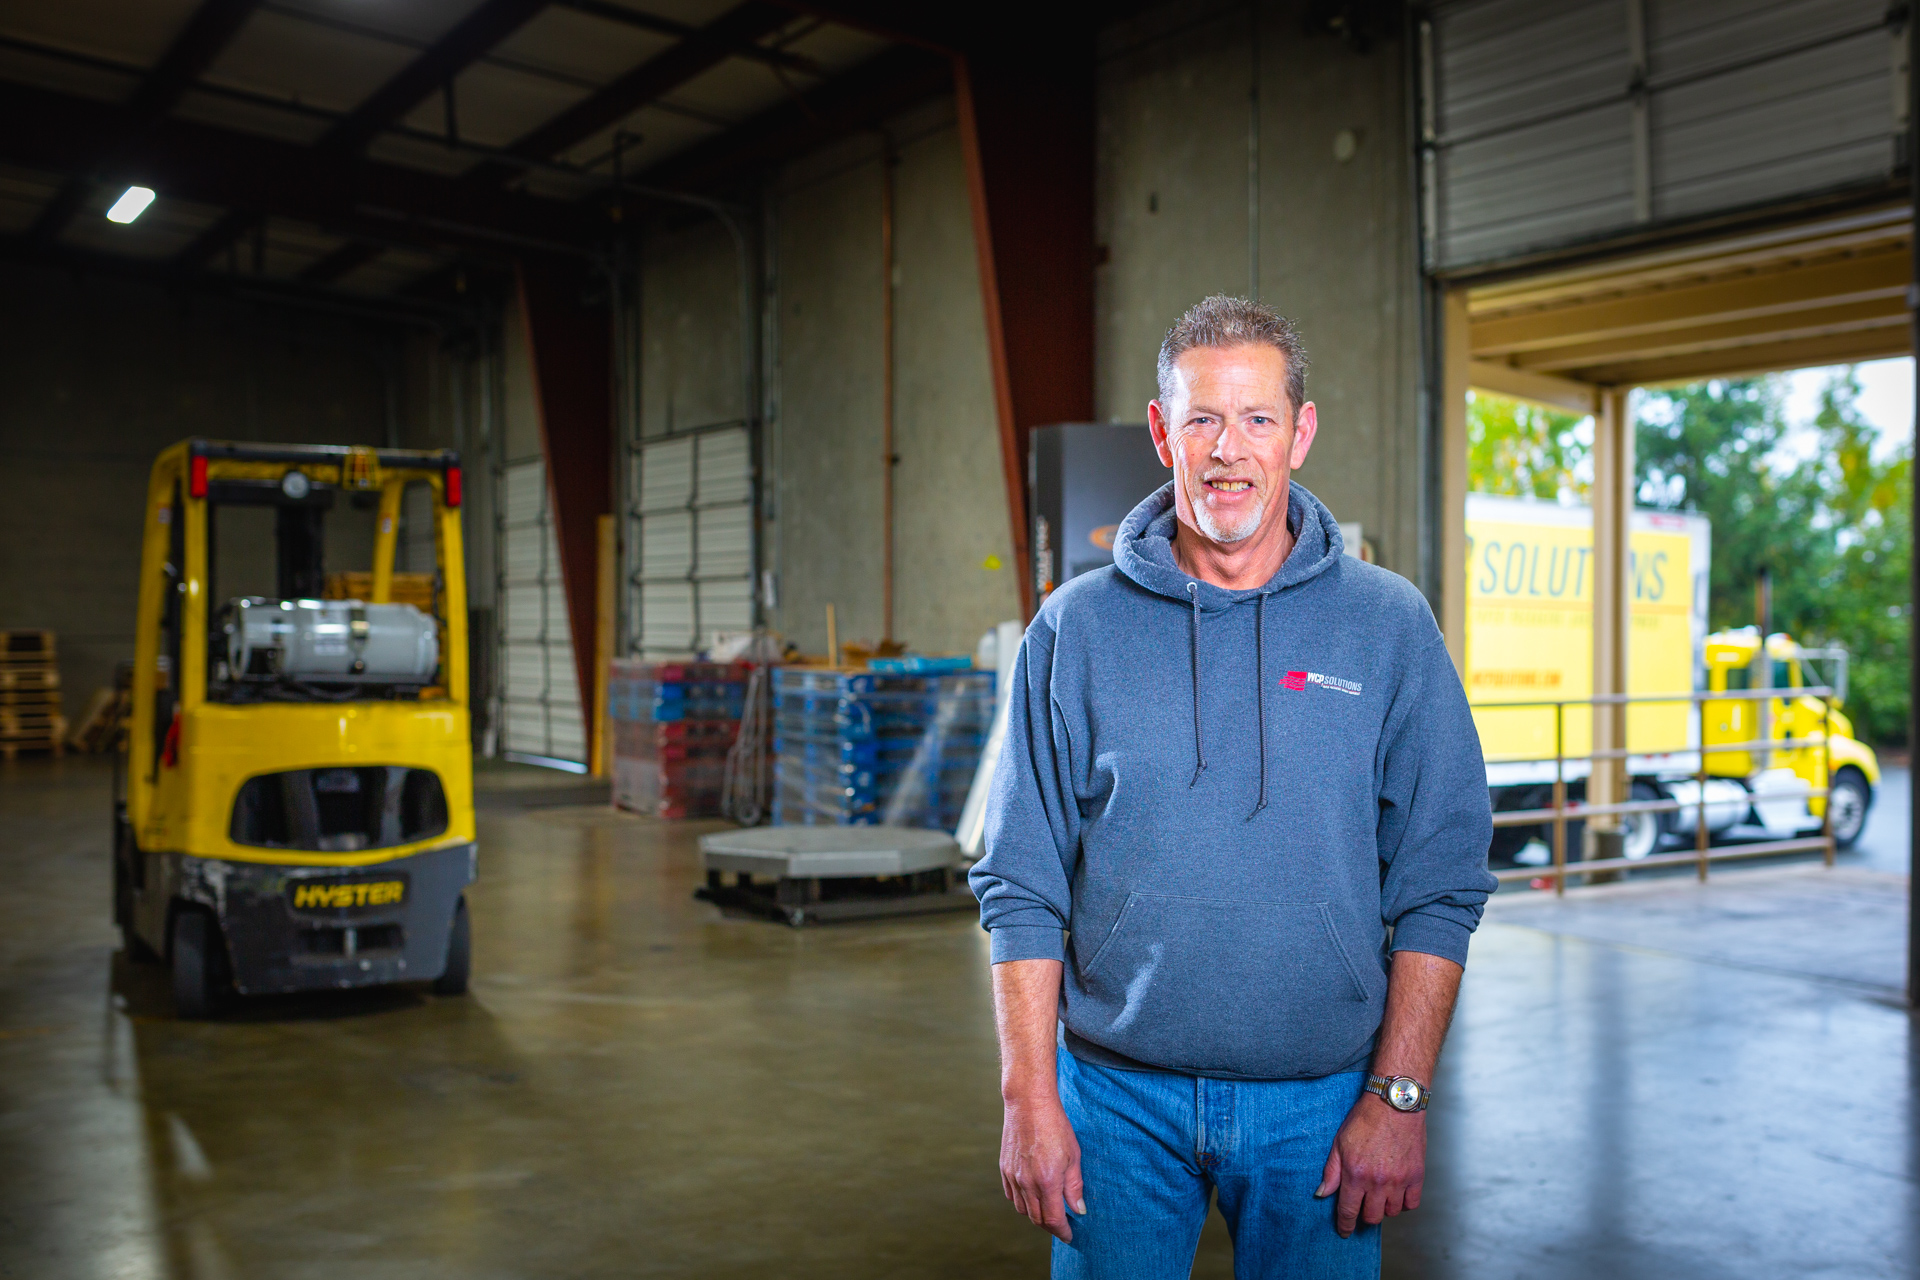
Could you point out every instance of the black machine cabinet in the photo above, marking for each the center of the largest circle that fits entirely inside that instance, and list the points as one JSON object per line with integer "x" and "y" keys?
{"x": 1083, "y": 478}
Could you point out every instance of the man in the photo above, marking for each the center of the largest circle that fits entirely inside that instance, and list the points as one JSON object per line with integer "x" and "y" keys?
{"x": 1241, "y": 776}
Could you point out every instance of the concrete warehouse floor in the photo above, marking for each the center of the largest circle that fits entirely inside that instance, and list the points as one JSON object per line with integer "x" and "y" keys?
{"x": 638, "y": 1086}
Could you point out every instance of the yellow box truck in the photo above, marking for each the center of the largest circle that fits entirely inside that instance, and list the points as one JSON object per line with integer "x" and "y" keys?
{"x": 1530, "y": 642}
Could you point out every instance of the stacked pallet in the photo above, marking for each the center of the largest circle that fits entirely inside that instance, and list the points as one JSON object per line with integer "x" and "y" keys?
{"x": 673, "y": 724}
{"x": 861, "y": 747}
{"x": 30, "y": 718}
{"x": 104, "y": 726}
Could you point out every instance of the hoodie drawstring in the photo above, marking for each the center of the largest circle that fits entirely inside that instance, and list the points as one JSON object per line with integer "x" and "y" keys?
{"x": 1260, "y": 695}
{"x": 1259, "y": 692}
{"x": 1199, "y": 748}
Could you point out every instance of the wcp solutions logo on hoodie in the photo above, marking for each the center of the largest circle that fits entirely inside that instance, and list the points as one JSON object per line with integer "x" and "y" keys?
{"x": 1296, "y": 681}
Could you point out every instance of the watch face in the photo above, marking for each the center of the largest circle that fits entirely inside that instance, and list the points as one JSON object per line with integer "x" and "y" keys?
{"x": 1403, "y": 1094}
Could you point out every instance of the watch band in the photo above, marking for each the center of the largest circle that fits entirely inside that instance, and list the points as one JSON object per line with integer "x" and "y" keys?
{"x": 1382, "y": 1087}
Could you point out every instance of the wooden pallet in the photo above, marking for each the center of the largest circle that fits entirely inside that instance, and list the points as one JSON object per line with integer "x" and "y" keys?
{"x": 101, "y": 727}
{"x": 27, "y": 698}
{"x": 25, "y": 678}
{"x": 31, "y": 721}
{"x": 11, "y": 748}
{"x": 26, "y": 646}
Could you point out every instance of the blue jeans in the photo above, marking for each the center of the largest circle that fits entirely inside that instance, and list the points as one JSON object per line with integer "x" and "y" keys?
{"x": 1154, "y": 1145}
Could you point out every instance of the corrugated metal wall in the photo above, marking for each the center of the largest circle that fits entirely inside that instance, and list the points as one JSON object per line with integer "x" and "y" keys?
{"x": 540, "y": 687}
{"x": 1551, "y": 124}
{"x": 691, "y": 534}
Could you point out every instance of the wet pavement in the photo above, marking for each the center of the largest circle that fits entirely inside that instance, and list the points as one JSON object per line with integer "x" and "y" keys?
{"x": 1646, "y": 1080}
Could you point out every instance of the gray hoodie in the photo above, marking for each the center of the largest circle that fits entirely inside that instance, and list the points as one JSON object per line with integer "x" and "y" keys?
{"x": 1226, "y": 799}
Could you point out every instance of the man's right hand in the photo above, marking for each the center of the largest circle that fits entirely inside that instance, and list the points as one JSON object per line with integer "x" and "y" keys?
{"x": 1040, "y": 1163}
{"x": 1039, "y": 1156}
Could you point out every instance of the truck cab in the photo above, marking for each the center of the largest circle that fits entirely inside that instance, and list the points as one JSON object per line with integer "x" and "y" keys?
{"x": 1731, "y": 659}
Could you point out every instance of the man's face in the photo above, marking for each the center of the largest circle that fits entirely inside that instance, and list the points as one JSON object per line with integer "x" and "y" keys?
{"x": 1231, "y": 438}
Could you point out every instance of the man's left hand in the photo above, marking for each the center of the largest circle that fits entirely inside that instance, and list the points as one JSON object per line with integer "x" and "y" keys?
{"x": 1377, "y": 1164}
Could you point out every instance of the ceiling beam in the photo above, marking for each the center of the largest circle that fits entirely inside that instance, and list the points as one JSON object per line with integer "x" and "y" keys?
{"x": 989, "y": 28}
{"x": 747, "y": 49}
{"x": 210, "y": 29}
{"x": 890, "y": 82}
{"x": 939, "y": 27}
{"x": 229, "y": 227}
{"x": 344, "y": 260}
{"x": 471, "y": 39}
{"x": 1852, "y": 279}
{"x": 705, "y": 49}
{"x": 41, "y": 129}
{"x": 1758, "y": 250}
{"x": 1799, "y": 353}
{"x": 1711, "y": 335}
{"x": 407, "y": 310}
{"x": 1563, "y": 394}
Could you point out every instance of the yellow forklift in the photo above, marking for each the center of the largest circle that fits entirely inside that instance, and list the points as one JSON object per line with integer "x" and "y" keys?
{"x": 294, "y": 808}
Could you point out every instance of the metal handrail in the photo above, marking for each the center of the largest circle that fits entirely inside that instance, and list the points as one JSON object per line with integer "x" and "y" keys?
{"x": 1624, "y": 753}
{"x": 1697, "y": 695}
{"x": 1562, "y": 810}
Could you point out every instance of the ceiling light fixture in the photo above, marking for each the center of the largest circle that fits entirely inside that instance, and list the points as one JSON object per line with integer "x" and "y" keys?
{"x": 131, "y": 204}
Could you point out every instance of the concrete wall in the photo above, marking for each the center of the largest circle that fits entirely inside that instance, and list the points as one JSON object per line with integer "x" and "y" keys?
{"x": 691, "y": 371}
{"x": 97, "y": 375}
{"x": 1202, "y": 107}
{"x": 950, "y": 516}
{"x": 951, "y": 524}
{"x": 823, "y": 376}
{"x": 1217, "y": 172}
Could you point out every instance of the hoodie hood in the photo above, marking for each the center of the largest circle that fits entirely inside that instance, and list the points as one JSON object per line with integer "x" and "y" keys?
{"x": 1143, "y": 550}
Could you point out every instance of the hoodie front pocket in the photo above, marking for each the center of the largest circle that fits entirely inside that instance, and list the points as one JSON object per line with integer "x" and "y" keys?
{"x": 1265, "y": 989}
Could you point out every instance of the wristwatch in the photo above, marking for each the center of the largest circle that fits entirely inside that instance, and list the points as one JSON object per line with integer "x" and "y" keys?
{"x": 1402, "y": 1093}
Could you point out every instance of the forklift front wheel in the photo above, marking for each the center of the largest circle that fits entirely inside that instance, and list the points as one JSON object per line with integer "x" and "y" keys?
{"x": 453, "y": 979}
{"x": 199, "y": 964}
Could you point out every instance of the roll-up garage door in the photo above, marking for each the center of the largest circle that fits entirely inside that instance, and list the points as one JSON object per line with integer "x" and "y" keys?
{"x": 1549, "y": 125}
{"x": 690, "y": 541}
{"x": 540, "y": 689}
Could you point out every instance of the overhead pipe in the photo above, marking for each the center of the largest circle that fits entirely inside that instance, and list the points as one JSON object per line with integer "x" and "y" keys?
{"x": 888, "y": 458}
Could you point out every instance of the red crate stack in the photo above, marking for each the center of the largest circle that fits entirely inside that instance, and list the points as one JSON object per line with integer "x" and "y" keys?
{"x": 673, "y": 724}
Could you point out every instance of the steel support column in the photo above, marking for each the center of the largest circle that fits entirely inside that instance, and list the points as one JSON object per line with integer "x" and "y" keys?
{"x": 1026, "y": 132}
{"x": 1456, "y": 366}
{"x": 1612, "y": 518}
{"x": 1913, "y": 581}
{"x": 571, "y": 344}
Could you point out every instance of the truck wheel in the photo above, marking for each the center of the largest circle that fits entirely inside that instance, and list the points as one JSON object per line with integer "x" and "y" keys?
{"x": 1848, "y": 805}
{"x": 200, "y": 983}
{"x": 453, "y": 979}
{"x": 1642, "y": 830}
{"x": 1507, "y": 841}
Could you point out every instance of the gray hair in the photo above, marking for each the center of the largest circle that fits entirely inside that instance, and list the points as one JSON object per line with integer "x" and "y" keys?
{"x": 1221, "y": 321}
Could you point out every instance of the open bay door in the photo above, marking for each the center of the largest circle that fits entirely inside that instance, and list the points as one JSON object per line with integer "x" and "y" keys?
{"x": 540, "y": 720}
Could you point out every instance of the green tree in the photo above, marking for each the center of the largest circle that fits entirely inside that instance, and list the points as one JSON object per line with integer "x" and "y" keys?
{"x": 1833, "y": 531}
{"x": 1864, "y": 595}
{"x": 1524, "y": 450}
